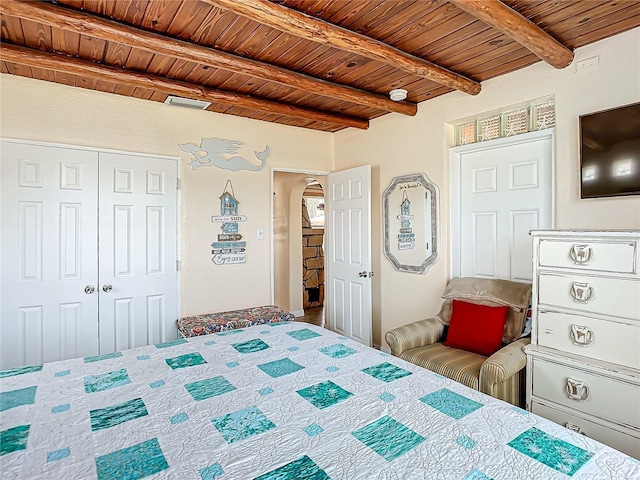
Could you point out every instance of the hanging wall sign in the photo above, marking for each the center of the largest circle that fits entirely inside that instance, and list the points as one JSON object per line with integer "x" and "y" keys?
{"x": 220, "y": 152}
{"x": 411, "y": 223}
{"x": 406, "y": 237}
{"x": 228, "y": 250}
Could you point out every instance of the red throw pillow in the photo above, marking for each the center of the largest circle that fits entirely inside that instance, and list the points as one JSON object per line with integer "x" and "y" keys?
{"x": 476, "y": 328}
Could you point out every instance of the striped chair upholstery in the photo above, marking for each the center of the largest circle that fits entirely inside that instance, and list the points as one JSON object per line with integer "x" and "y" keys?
{"x": 501, "y": 375}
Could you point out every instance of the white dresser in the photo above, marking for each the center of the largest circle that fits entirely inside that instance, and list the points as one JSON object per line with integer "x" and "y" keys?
{"x": 583, "y": 364}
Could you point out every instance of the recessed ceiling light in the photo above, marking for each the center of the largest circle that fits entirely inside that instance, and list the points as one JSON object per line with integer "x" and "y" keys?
{"x": 398, "y": 94}
{"x": 187, "y": 102}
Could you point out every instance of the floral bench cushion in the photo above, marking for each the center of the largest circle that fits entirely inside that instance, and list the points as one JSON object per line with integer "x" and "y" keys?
{"x": 222, "y": 321}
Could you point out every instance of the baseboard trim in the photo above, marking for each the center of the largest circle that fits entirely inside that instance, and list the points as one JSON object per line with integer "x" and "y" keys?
{"x": 298, "y": 313}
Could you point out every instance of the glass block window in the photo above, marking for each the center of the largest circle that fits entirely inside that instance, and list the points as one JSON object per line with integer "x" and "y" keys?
{"x": 538, "y": 115}
{"x": 465, "y": 133}
{"x": 515, "y": 122}
{"x": 488, "y": 128}
{"x": 543, "y": 116}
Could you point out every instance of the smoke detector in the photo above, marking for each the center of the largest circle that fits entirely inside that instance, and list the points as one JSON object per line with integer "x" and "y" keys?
{"x": 398, "y": 94}
{"x": 187, "y": 102}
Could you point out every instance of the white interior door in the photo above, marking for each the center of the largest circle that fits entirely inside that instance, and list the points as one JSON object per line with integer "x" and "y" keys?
{"x": 505, "y": 191}
{"x": 49, "y": 254}
{"x": 348, "y": 260}
{"x": 138, "y": 275}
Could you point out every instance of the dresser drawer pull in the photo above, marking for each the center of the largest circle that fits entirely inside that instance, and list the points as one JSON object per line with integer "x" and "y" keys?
{"x": 577, "y": 390}
{"x": 581, "y": 254}
{"x": 581, "y": 335}
{"x": 574, "y": 428}
{"x": 581, "y": 292}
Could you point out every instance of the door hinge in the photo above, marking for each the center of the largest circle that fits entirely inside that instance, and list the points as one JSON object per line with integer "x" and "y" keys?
{"x": 178, "y": 184}
{"x": 177, "y": 265}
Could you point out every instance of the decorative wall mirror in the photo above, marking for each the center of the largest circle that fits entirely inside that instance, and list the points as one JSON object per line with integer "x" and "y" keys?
{"x": 411, "y": 226}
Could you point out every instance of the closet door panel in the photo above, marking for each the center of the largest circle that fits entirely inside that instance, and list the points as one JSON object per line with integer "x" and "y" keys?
{"x": 48, "y": 243}
{"x": 138, "y": 251}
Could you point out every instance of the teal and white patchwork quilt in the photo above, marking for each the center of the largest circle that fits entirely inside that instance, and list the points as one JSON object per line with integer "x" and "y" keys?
{"x": 277, "y": 401}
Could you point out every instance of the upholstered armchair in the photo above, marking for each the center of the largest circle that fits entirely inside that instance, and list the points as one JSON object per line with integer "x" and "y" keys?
{"x": 499, "y": 374}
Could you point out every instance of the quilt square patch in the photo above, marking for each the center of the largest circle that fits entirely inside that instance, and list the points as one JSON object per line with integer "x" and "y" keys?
{"x": 304, "y": 334}
{"x": 386, "y": 372}
{"x": 56, "y": 455}
{"x": 211, "y": 472}
{"x": 451, "y": 404}
{"x": 14, "y": 439}
{"x": 211, "y": 387}
{"x": 250, "y": 346}
{"x": 134, "y": 462}
{"x": 476, "y": 475}
{"x": 186, "y": 360}
{"x": 172, "y": 343}
{"x": 280, "y": 368}
{"x": 338, "y": 350}
{"x": 552, "y": 451}
{"x": 388, "y": 438}
{"x": 304, "y": 467}
{"x": 313, "y": 430}
{"x": 387, "y": 397}
{"x": 179, "y": 418}
{"x": 242, "y": 424}
{"x": 98, "y": 358}
{"x": 230, "y": 332}
{"x": 105, "y": 381}
{"x": 466, "y": 442}
{"x": 117, "y": 414}
{"x": 20, "y": 371}
{"x": 324, "y": 395}
{"x": 16, "y": 398}
{"x": 61, "y": 408}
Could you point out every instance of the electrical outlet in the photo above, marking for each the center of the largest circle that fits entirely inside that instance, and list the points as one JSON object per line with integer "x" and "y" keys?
{"x": 591, "y": 63}
{"x": 260, "y": 234}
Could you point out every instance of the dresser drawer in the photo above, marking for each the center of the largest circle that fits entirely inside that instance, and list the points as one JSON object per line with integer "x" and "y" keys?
{"x": 610, "y": 256}
{"x": 619, "y": 438}
{"x": 600, "y": 339}
{"x": 608, "y": 296}
{"x": 597, "y": 395}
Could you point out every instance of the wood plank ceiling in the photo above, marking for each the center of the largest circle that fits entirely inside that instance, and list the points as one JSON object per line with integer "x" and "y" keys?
{"x": 319, "y": 64}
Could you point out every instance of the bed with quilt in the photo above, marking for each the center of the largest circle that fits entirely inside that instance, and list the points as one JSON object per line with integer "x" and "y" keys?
{"x": 275, "y": 401}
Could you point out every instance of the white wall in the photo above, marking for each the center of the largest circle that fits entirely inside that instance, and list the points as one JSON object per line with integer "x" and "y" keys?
{"x": 37, "y": 110}
{"x": 398, "y": 145}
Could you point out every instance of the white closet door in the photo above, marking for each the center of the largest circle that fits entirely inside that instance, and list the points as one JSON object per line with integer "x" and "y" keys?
{"x": 49, "y": 254}
{"x": 506, "y": 191}
{"x": 138, "y": 276}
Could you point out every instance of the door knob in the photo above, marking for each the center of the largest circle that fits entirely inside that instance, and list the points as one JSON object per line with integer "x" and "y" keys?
{"x": 107, "y": 288}
{"x": 89, "y": 289}
{"x": 362, "y": 274}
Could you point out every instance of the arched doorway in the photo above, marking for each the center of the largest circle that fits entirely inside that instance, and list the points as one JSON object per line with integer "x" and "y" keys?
{"x": 287, "y": 237}
{"x": 313, "y": 287}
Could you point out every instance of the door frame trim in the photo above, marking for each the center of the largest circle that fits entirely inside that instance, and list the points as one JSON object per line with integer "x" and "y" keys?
{"x": 177, "y": 159}
{"x": 455, "y": 175}
{"x": 271, "y": 236}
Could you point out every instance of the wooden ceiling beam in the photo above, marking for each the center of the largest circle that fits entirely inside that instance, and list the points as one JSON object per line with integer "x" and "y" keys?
{"x": 86, "y": 24}
{"x": 499, "y": 16}
{"x": 311, "y": 28}
{"x": 71, "y": 65}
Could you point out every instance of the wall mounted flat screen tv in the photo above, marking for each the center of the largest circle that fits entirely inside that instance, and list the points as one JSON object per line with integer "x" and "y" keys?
{"x": 610, "y": 152}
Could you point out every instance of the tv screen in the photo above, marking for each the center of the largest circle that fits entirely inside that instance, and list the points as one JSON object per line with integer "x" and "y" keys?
{"x": 610, "y": 152}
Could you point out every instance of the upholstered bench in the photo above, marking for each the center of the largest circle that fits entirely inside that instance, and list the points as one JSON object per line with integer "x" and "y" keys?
{"x": 223, "y": 321}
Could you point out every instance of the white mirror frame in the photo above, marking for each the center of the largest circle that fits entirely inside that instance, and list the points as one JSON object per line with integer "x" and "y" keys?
{"x": 431, "y": 219}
